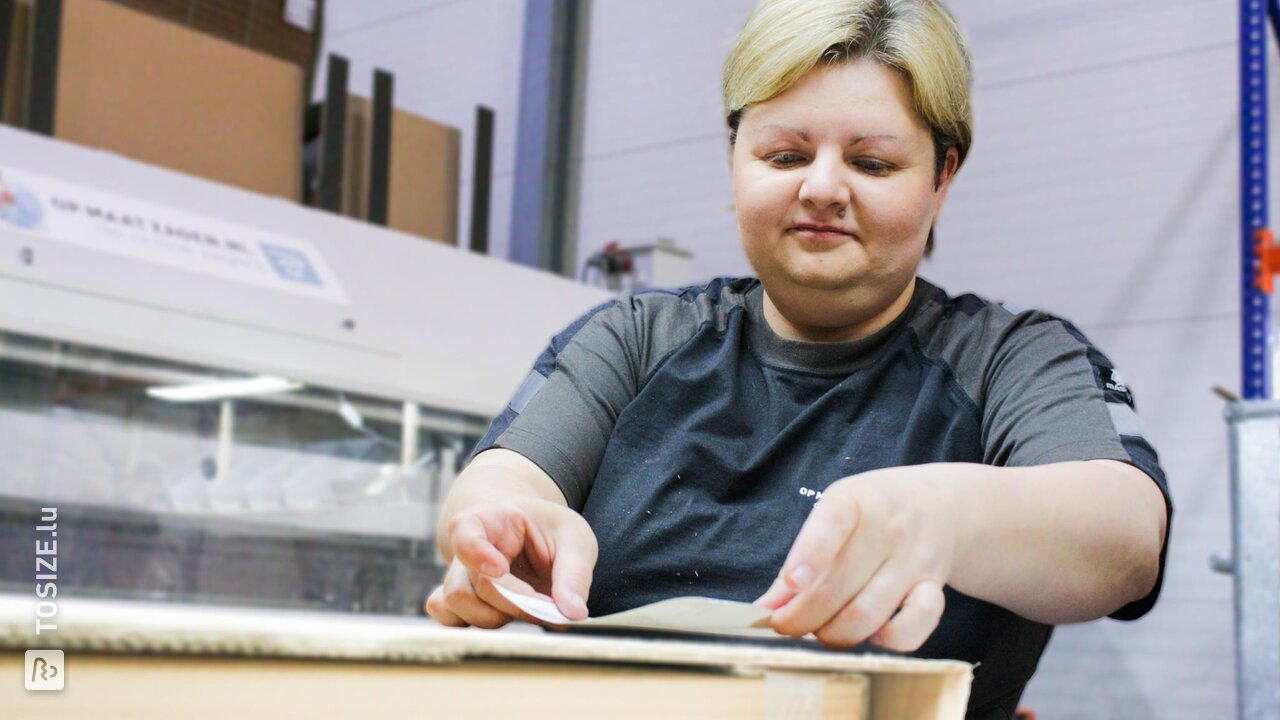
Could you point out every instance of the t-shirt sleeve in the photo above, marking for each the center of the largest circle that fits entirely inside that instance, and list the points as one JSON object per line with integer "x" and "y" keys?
{"x": 563, "y": 413}
{"x": 1051, "y": 396}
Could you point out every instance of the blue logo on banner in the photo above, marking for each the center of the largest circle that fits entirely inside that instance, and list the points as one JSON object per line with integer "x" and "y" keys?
{"x": 291, "y": 264}
{"x": 20, "y": 208}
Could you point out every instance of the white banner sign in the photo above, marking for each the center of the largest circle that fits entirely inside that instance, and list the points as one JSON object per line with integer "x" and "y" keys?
{"x": 65, "y": 212}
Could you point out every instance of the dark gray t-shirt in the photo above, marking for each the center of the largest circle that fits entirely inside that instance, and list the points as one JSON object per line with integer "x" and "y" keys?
{"x": 695, "y": 440}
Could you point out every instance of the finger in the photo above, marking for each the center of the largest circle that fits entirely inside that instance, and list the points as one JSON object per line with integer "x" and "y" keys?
{"x": 839, "y": 582}
{"x": 836, "y": 589}
{"x": 916, "y": 621}
{"x": 869, "y": 610}
{"x": 460, "y": 598}
{"x": 437, "y": 610}
{"x": 572, "y": 568}
{"x": 830, "y": 525}
{"x": 479, "y": 538}
{"x": 778, "y": 594}
{"x": 817, "y": 548}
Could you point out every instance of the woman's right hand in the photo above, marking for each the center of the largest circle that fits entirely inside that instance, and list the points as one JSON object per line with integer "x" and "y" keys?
{"x": 530, "y": 545}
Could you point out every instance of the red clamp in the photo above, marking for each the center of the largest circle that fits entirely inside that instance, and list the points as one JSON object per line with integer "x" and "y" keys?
{"x": 1268, "y": 255}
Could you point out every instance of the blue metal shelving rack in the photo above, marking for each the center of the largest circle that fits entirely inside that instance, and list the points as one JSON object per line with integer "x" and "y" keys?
{"x": 1254, "y": 315}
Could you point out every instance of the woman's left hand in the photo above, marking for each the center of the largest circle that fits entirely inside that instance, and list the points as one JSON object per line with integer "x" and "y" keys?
{"x": 871, "y": 561}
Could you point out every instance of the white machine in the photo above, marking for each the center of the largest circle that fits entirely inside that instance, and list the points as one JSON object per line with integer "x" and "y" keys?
{"x": 230, "y": 397}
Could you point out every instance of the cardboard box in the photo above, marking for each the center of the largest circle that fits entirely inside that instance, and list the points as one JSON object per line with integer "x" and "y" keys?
{"x": 425, "y": 157}
{"x": 204, "y": 663}
{"x": 258, "y": 24}
{"x": 171, "y": 96}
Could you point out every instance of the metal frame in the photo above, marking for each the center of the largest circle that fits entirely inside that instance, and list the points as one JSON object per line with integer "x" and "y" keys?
{"x": 1254, "y": 315}
{"x": 1255, "y": 509}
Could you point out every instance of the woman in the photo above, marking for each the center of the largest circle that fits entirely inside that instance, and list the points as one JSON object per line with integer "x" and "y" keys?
{"x": 979, "y": 474}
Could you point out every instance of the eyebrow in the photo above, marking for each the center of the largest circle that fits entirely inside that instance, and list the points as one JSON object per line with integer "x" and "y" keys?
{"x": 805, "y": 136}
{"x": 786, "y": 128}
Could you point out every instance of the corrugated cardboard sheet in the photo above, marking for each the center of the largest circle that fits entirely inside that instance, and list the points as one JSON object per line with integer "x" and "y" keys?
{"x": 204, "y": 662}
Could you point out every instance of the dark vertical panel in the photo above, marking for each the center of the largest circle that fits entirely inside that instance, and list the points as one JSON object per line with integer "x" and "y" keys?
{"x": 544, "y": 134}
{"x": 42, "y": 88}
{"x": 482, "y": 178}
{"x": 6, "y": 47}
{"x": 558, "y": 210}
{"x": 333, "y": 130}
{"x": 380, "y": 147}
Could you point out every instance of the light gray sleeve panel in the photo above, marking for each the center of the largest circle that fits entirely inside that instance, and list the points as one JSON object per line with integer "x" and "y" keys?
{"x": 565, "y": 425}
{"x": 1031, "y": 379}
{"x": 1044, "y": 393}
{"x": 592, "y": 372}
{"x": 1041, "y": 399}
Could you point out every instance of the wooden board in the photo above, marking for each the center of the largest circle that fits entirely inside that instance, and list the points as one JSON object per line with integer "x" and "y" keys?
{"x": 100, "y": 687}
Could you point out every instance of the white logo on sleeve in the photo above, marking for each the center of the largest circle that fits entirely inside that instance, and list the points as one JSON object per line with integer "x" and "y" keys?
{"x": 1117, "y": 383}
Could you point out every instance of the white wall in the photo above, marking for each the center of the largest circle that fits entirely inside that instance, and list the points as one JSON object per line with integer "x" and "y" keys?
{"x": 655, "y": 151}
{"x": 1102, "y": 186}
{"x": 448, "y": 56}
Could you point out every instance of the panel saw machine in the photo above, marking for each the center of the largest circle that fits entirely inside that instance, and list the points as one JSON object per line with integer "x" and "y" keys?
{"x": 231, "y": 398}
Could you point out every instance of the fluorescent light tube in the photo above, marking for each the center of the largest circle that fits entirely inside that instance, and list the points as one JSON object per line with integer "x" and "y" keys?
{"x": 224, "y": 389}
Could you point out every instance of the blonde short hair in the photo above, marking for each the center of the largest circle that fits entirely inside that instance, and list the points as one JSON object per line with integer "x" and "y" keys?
{"x": 785, "y": 39}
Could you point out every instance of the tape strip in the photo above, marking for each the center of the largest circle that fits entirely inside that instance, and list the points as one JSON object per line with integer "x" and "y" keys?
{"x": 793, "y": 696}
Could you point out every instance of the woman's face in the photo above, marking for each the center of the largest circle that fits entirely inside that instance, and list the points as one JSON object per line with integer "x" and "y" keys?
{"x": 834, "y": 184}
